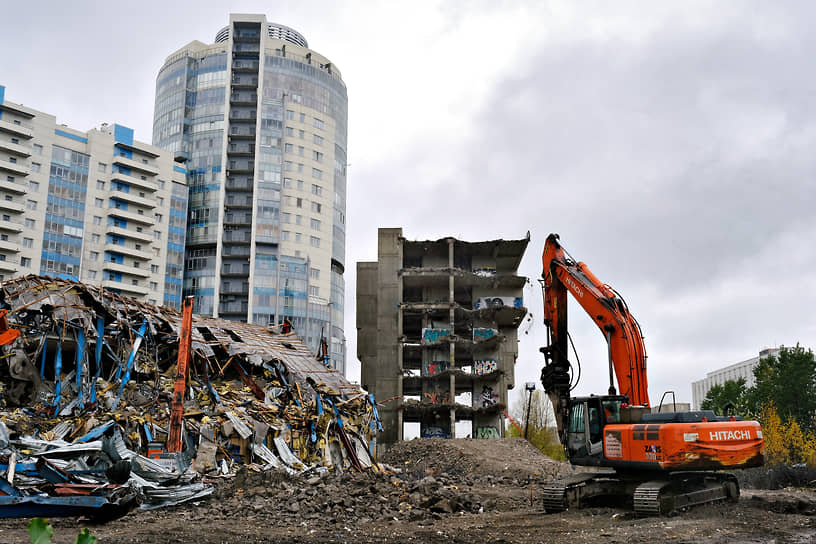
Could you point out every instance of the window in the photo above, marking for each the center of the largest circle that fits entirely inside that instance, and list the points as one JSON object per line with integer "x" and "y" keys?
{"x": 34, "y": 186}
{"x": 299, "y": 202}
{"x": 316, "y": 207}
{"x": 100, "y": 185}
{"x": 15, "y": 140}
{"x": 161, "y": 184}
{"x": 94, "y": 256}
{"x": 137, "y": 264}
{"x": 138, "y": 247}
{"x": 315, "y": 224}
{"x": 290, "y": 115}
{"x": 300, "y": 168}
{"x": 317, "y": 155}
{"x": 154, "y": 285}
{"x": 29, "y": 223}
{"x": 102, "y": 167}
{"x": 31, "y": 204}
{"x": 301, "y": 150}
{"x": 314, "y": 241}
{"x": 134, "y": 281}
{"x": 91, "y": 274}
{"x": 317, "y": 139}
{"x": 157, "y": 234}
{"x": 13, "y": 160}
{"x": 138, "y": 229}
{"x": 28, "y": 242}
{"x": 317, "y": 174}
{"x": 288, "y": 148}
{"x": 17, "y": 122}
{"x": 314, "y": 290}
{"x": 158, "y": 218}
{"x": 99, "y": 203}
{"x": 10, "y": 179}
{"x": 288, "y": 166}
{"x": 6, "y": 217}
{"x": 285, "y": 235}
{"x": 144, "y": 161}
{"x": 290, "y": 131}
{"x": 314, "y": 273}
{"x": 297, "y": 237}
{"x": 154, "y": 268}
{"x": 25, "y": 262}
{"x": 317, "y": 190}
{"x": 38, "y": 149}
{"x": 318, "y": 123}
{"x": 287, "y": 183}
{"x": 35, "y": 167}
{"x": 95, "y": 238}
{"x": 140, "y": 212}
{"x": 156, "y": 251}
{"x": 301, "y": 134}
{"x": 286, "y": 217}
{"x": 302, "y": 117}
{"x": 97, "y": 220}
{"x": 300, "y": 185}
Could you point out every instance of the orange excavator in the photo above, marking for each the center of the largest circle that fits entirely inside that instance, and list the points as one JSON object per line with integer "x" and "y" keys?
{"x": 662, "y": 461}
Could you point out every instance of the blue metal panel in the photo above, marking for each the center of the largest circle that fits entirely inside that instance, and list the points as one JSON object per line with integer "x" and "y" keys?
{"x": 2, "y": 93}
{"x": 179, "y": 169}
{"x": 64, "y": 134}
{"x": 123, "y": 134}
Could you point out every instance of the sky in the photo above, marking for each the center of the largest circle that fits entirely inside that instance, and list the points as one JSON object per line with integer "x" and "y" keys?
{"x": 670, "y": 144}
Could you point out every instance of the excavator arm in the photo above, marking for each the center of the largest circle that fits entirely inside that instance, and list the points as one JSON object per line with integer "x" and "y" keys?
{"x": 627, "y": 352}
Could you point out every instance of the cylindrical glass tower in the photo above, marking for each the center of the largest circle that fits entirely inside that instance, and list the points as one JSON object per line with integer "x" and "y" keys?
{"x": 261, "y": 120}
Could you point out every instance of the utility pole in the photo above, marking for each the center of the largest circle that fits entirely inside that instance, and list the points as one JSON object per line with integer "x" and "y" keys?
{"x": 529, "y": 387}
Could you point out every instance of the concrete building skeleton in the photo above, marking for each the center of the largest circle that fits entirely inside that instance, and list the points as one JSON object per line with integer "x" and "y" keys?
{"x": 437, "y": 332}
{"x": 96, "y": 206}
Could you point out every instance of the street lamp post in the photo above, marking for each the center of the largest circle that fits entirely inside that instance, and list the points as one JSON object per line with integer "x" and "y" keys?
{"x": 529, "y": 387}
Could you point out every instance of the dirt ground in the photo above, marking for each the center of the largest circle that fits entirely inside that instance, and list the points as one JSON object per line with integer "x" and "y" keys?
{"x": 459, "y": 490}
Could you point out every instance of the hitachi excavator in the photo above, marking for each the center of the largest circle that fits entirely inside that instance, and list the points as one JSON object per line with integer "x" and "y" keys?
{"x": 661, "y": 462}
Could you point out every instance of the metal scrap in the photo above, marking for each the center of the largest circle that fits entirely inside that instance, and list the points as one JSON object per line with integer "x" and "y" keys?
{"x": 89, "y": 383}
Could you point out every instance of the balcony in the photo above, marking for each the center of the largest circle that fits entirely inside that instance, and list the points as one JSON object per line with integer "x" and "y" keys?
{"x": 134, "y": 181}
{"x": 15, "y": 148}
{"x": 8, "y": 266}
{"x": 242, "y": 132}
{"x": 18, "y": 130}
{"x": 136, "y": 165}
{"x": 126, "y": 269}
{"x": 236, "y": 149}
{"x": 13, "y": 187}
{"x": 244, "y": 99}
{"x": 10, "y": 226}
{"x": 5, "y": 245}
{"x": 241, "y": 219}
{"x": 248, "y": 66}
{"x": 245, "y": 83}
{"x": 11, "y": 206}
{"x": 132, "y": 198}
{"x": 125, "y": 287}
{"x": 129, "y": 251}
{"x": 19, "y": 168}
{"x": 130, "y": 216}
{"x": 237, "y": 237}
{"x": 236, "y": 290}
{"x": 238, "y": 185}
{"x": 127, "y": 233}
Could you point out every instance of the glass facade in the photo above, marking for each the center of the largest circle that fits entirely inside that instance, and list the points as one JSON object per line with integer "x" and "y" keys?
{"x": 226, "y": 113}
{"x": 65, "y": 213}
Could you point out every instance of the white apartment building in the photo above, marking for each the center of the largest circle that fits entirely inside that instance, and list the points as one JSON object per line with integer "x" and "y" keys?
{"x": 95, "y": 206}
{"x": 743, "y": 369}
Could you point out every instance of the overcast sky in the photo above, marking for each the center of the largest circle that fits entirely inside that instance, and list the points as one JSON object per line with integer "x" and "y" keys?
{"x": 670, "y": 144}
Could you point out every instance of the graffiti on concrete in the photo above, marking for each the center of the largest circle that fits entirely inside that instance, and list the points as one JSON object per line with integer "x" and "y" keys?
{"x": 434, "y": 336}
{"x": 498, "y": 302}
{"x": 480, "y": 334}
{"x": 432, "y": 368}
{"x": 487, "y": 432}
{"x": 487, "y": 398}
{"x": 485, "y": 366}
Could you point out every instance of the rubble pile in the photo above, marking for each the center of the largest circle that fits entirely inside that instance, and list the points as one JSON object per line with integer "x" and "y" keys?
{"x": 88, "y": 386}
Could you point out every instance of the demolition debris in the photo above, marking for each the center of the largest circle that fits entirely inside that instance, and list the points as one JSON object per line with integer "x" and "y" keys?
{"x": 86, "y": 397}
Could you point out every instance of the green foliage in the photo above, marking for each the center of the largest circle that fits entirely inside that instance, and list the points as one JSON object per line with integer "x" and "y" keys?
{"x": 541, "y": 432}
{"x": 720, "y": 396}
{"x": 41, "y": 532}
{"x": 789, "y": 383}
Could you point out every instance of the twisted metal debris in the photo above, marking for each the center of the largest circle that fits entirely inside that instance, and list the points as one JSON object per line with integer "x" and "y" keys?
{"x": 90, "y": 363}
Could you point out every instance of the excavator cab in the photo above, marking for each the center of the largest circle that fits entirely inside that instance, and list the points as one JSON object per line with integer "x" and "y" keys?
{"x": 587, "y": 419}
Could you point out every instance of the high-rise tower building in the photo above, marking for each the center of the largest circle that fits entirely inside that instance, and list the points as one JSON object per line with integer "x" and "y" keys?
{"x": 96, "y": 206}
{"x": 261, "y": 121}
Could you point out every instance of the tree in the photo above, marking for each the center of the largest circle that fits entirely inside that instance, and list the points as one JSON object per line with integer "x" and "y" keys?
{"x": 789, "y": 383}
{"x": 729, "y": 393}
{"x": 542, "y": 433}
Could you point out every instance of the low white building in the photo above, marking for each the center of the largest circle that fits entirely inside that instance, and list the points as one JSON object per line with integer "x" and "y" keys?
{"x": 743, "y": 369}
